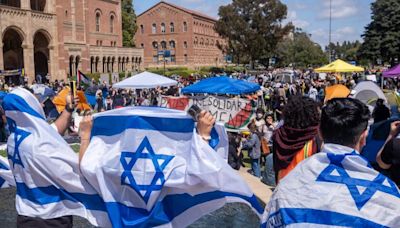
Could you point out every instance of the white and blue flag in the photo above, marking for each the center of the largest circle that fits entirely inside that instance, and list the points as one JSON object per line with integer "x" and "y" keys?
{"x": 334, "y": 188}
{"x": 46, "y": 170}
{"x": 152, "y": 169}
{"x": 6, "y": 176}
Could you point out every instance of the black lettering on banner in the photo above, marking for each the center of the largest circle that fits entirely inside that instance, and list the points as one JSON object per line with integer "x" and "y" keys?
{"x": 215, "y": 114}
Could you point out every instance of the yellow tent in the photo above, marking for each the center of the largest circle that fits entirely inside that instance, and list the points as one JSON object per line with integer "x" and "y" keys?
{"x": 339, "y": 66}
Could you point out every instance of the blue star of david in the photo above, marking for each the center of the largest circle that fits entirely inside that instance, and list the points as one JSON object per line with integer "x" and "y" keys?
{"x": 127, "y": 177}
{"x": 371, "y": 187}
{"x": 19, "y": 136}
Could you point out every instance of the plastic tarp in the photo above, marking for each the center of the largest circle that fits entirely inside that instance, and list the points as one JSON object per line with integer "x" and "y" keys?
{"x": 60, "y": 100}
{"x": 222, "y": 85}
{"x": 145, "y": 80}
{"x": 368, "y": 92}
{"x": 393, "y": 72}
{"x": 339, "y": 66}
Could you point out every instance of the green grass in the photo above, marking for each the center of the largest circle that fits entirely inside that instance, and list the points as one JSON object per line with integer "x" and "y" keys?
{"x": 75, "y": 148}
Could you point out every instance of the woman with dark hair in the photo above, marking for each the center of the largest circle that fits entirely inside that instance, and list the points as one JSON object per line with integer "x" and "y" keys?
{"x": 298, "y": 138}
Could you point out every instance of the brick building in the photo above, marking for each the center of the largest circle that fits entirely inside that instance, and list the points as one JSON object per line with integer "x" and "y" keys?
{"x": 188, "y": 35}
{"x": 58, "y": 37}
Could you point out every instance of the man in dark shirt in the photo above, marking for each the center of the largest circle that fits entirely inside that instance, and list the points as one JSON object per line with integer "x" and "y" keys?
{"x": 389, "y": 157}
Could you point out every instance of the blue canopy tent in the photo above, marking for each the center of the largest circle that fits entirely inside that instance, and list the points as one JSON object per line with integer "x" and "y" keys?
{"x": 222, "y": 85}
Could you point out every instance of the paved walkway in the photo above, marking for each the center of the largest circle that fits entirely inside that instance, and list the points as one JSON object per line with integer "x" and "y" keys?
{"x": 263, "y": 192}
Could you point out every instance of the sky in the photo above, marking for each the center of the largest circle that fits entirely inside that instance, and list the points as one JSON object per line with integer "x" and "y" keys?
{"x": 349, "y": 17}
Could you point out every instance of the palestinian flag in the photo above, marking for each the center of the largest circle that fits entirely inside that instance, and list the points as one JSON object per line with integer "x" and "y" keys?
{"x": 81, "y": 78}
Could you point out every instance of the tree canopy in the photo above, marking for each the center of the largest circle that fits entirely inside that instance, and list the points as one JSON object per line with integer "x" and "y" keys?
{"x": 382, "y": 35}
{"x": 346, "y": 51}
{"x": 252, "y": 28}
{"x": 300, "y": 51}
{"x": 129, "y": 26}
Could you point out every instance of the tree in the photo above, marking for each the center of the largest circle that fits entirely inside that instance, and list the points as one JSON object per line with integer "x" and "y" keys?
{"x": 129, "y": 26}
{"x": 382, "y": 35}
{"x": 346, "y": 51}
{"x": 252, "y": 28}
{"x": 300, "y": 51}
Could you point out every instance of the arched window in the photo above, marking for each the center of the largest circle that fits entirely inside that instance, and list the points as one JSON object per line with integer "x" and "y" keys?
{"x": 154, "y": 28}
{"x": 196, "y": 40}
{"x": 172, "y": 44}
{"x": 141, "y": 29}
{"x": 97, "y": 22}
{"x": 185, "y": 28}
{"x": 112, "y": 24}
{"x": 172, "y": 27}
{"x": 142, "y": 45}
{"x": 201, "y": 41}
{"x": 163, "y": 45}
{"x": 185, "y": 44}
{"x": 162, "y": 28}
{"x": 155, "y": 45}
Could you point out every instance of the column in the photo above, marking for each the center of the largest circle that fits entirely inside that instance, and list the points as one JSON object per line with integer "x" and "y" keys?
{"x": 1, "y": 56}
{"x": 29, "y": 62}
{"x": 52, "y": 61}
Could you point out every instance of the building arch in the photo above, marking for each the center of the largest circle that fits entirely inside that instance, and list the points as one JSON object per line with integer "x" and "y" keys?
{"x": 13, "y": 53}
{"x": 112, "y": 22}
{"x": 98, "y": 20}
{"x": 41, "y": 42}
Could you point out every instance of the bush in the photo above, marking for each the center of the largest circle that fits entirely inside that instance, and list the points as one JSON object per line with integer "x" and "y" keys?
{"x": 95, "y": 76}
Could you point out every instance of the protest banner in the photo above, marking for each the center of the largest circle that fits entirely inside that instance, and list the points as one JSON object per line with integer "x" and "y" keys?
{"x": 236, "y": 112}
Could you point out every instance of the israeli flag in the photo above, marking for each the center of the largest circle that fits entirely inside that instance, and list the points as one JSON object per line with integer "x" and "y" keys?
{"x": 6, "y": 176}
{"x": 46, "y": 170}
{"x": 152, "y": 169}
{"x": 334, "y": 188}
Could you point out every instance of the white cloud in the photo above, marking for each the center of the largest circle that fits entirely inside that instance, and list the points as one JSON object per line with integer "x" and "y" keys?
{"x": 292, "y": 17}
{"x": 340, "y": 9}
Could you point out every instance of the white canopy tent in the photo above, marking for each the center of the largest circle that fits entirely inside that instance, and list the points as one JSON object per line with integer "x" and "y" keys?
{"x": 145, "y": 80}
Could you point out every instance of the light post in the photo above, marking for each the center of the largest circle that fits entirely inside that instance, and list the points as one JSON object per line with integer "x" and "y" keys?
{"x": 330, "y": 31}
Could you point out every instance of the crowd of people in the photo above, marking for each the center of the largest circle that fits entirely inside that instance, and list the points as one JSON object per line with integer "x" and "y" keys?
{"x": 294, "y": 126}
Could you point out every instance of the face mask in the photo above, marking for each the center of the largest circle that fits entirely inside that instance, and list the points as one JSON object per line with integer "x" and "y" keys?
{"x": 259, "y": 115}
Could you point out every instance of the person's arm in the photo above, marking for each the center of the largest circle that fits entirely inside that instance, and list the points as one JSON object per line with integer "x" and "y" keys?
{"x": 85, "y": 128}
{"x": 250, "y": 142}
{"x": 205, "y": 124}
{"x": 388, "y": 146}
{"x": 64, "y": 120}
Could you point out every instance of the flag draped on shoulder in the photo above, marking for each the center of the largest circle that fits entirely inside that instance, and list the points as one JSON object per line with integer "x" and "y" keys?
{"x": 46, "y": 170}
{"x": 6, "y": 176}
{"x": 152, "y": 169}
{"x": 336, "y": 187}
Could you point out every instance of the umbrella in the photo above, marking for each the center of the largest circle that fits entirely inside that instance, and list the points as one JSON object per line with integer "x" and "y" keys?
{"x": 339, "y": 66}
{"x": 43, "y": 91}
{"x": 145, "y": 80}
{"x": 336, "y": 91}
{"x": 60, "y": 100}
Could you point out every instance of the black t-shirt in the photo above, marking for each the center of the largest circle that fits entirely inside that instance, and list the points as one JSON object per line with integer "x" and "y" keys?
{"x": 391, "y": 155}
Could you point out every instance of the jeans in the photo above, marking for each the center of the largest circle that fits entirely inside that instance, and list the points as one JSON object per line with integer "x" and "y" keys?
{"x": 255, "y": 166}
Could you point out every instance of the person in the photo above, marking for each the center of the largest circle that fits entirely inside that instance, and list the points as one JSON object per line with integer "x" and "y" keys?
{"x": 336, "y": 187}
{"x": 99, "y": 101}
{"x": 259, "y": 120}
{"x": 388, "y": 157}
{"x": 297, "y": 139}
{"x": 381, "y": 112}
{"x": 233, "y": 155}
{"x": 253, "y": 145}
{"x": 60, "y": 125}
{"x": 109, "y": 103}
